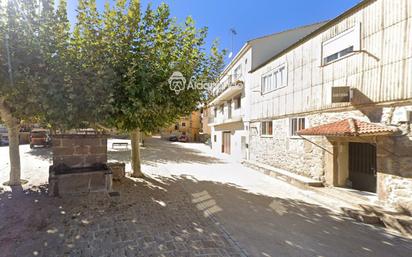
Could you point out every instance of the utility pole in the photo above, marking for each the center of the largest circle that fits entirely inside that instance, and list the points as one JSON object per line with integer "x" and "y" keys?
{"x": 233, "y": 33}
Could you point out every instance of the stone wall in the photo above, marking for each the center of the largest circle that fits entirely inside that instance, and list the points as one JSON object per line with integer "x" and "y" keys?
{"x": 302, "y": 156}
{"x": 395, "y": 169}
{"x": 77, "y": 150}
{"x": 284, "y": 152}
{"x": 309, "y": 156}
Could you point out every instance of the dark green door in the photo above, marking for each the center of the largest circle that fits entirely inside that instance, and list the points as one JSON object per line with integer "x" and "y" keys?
{"x": 362, "y": 166}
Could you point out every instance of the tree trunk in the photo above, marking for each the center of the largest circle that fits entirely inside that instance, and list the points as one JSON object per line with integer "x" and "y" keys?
{"x": 137, "y": 172}
{"x": 13, "y": 126}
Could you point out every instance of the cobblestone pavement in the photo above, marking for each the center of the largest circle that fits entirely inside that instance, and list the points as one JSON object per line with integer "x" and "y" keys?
{"x": 192, "y": 203}
{"x": 147, "y": 219}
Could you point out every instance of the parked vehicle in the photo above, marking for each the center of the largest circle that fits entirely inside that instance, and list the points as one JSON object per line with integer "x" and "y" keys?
{"x": 4, "y": 140}
{"x": 183, "y": 138}
{"x": 173, "y": 139}
{"x": 40, "y": 137}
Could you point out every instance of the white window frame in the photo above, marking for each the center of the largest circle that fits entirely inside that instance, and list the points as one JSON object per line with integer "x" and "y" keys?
{"x": 292, "y": 132}
{"x": 262, "y": 131}
{"x": 237, "y": 72}
{"x": 273, "y": 78}
{"x": 340, "y": 52}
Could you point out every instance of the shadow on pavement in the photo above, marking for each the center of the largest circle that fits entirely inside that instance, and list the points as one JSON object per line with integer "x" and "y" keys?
{"x": 42, "y": 153}
{"x": 160, "y": 215}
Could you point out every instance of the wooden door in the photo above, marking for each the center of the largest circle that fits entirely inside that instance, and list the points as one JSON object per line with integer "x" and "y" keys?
{"x": 226, "y": 142}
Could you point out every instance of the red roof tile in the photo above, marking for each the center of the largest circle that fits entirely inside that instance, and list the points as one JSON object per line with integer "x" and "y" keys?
{"x": 348, "y": 127}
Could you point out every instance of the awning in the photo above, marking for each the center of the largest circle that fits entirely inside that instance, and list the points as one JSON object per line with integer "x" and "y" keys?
{"x": 348, "y": 128}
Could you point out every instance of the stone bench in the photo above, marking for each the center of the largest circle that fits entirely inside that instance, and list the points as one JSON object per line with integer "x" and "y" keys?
{"x": 79, "y": 181}
{"x": 123, "y": 145}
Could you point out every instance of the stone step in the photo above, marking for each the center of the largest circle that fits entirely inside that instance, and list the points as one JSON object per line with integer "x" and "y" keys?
{"x": 399, "y": 223}
{"x": 345, "y": 196}
{"x": 284, "y": 175}
{"x": 355, "y": 206}
{"x": 362, "y": 215}
{"x": 394, "y": 220}
{"x": 358, "y": 208}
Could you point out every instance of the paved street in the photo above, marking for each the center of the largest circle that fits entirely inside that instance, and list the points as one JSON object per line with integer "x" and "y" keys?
{"x": 192, "y": 203}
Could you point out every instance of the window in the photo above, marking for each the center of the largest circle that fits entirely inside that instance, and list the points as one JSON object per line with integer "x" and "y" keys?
{"x": 238, "y": 101}
{"x": 274, "y": 79}
{"x": 338, "y": 55}
{"x": 176, "y": 126}
{"x": 222, "y": 109}
{"x": 183, "y": 124}
{"x": 266, "y": 128}
{"x": 296, "y": 124}
{"x": 237, "y": 73}
{"x": 215, "y": 112}
{"x": 215, "y": 138}
{"x": 341, "y": 45}
{"x": 229, "y": 109}
{"x": 267, "y": 83}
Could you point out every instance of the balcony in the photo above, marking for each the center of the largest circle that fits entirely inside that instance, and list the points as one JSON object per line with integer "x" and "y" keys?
{"x": 228, "y": 88}
{"x": 234, "y": 116}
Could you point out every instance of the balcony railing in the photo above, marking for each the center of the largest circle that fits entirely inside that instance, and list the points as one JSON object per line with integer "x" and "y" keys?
{"x": 232, "y": 80}
{"x": 223, "y": 86}
{"x": 236, "y": 115}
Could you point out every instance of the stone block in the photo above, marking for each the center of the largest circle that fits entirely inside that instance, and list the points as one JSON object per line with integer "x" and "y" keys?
{"x": 56, "y": 142}
{"x": 61, "y": 151}
{"x": 82, "y": 149}
{"x": 118, "y": 170}
{"x": 98, "y": 149}
{"x": 96, "y": 158}
{"x": 79, "y": 183}
{"x": 68, "y": 142}
{"x": 71, "y": 161}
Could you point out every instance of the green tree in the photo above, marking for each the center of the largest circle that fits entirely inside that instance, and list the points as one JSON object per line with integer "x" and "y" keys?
{"x": 23, "y": 57}
{"x": 156, "y": 47}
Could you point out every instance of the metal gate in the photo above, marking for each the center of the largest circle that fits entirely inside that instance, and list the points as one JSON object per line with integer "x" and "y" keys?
{"x": 362, "y": 166}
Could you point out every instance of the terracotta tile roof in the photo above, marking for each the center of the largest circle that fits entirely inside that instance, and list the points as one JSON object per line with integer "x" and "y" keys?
{"x": 348, "y": 127}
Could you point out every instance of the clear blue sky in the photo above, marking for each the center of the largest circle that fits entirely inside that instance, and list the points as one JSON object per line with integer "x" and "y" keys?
{"x": 250, "y": 18}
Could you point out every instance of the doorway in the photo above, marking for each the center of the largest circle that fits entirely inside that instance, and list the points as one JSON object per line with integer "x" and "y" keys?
{"x": 363, "y": 166}
{"x": 226, "y": 142}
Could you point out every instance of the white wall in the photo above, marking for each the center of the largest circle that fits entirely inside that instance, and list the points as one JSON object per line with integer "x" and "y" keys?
{"x": 380, "y": 72}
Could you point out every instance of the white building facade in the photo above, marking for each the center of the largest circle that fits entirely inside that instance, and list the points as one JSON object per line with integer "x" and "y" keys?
{"x": 228, "y": 117}
{"x": 229, "y": 111}
{"x": 336, "y": 105}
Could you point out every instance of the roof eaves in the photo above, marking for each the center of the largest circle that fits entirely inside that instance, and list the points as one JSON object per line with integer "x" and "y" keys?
{"x": 286, "y": 31}
{"x": 317, "y": 31}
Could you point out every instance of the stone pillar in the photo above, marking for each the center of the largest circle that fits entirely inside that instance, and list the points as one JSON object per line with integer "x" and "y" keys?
{"x": 343, "y": 164}
{"x": 79, "y": 150}
{"x": 331, "y": 163}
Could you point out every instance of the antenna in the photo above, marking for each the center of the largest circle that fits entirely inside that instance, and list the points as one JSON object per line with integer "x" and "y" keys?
{"x": 233, "y": 34}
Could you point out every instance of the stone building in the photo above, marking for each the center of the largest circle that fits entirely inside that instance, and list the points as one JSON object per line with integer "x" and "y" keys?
{"x": 336, "y": 105}
{"x": 189, "y": 125}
